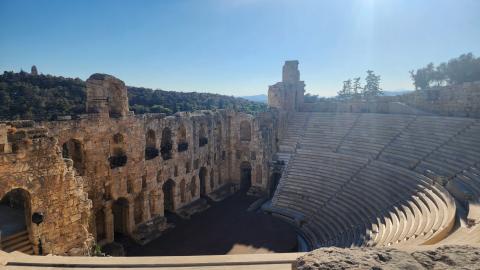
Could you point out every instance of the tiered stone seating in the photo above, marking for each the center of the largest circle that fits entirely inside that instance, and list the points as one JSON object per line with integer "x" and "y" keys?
{"x": 351, "y": 201}
{"x": 372, "y": 132}
{"x": 421, "y": 138}
{"x": 326, "y": 130}
{"x": 361, "y": 179}
{"x": 293, "y": 134}
{"x": 461, "y": 152}
{"x": 304, "y": 170}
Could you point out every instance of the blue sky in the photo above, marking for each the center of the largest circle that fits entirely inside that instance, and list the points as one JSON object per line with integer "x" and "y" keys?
{"x": 236, "y": 47}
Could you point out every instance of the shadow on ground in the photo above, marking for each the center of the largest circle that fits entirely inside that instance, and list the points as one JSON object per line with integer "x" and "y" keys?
{"x": 225, "y": 228}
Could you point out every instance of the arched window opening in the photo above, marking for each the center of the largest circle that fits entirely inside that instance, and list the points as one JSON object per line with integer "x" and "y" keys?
{"x": 245, "y": 131}
{"x": 73, "y": 149}
{"x": 202, "y": 136}
{"x": 182, "y": 144}
{"x": 203, "y": 175}
{"x": 193, "y": 187}
{"x": 120, "y": 216}
{"x": 151, "y": 150}
{"x": 182, "y": 191}
{"x": 168, "y": 189}
{"x": 245, "y": 176}
{"x": 118, "y": 158}
{"x": 16, "y": 212}
{"x": 166, "y": 145}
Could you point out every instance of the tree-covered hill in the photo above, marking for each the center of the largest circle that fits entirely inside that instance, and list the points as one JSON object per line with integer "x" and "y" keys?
{"x": 44, "y": 97}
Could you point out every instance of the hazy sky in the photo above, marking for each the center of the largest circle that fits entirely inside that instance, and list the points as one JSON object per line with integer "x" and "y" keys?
{"x": 236, "y": 47}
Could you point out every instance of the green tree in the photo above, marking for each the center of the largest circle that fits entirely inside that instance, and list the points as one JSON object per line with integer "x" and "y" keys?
{"x": 346, "y": 92}
{"x": 357, "y": 88}
{"x": 465, "y": 68}
{"x": 372, "y": 86}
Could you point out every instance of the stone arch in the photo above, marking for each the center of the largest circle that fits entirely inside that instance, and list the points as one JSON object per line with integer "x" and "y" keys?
{"x": 118, "y": 158}
{"x": 151, "y": 150}
{"x": 166, "y": 145}
{"x": 120, "y": 210}
{"x": 245, "y": 176}
{"x": 73, "y": 149}
{"x": 202, "y": 174}
{"x": 182, "y": 143}
{"x": 16, "y": 210}
{"x": 258, "y": 174}
{"x": 182, "y": 191}
{"x": 168, "y": 189}
{"x": 212, "y": 180}
{"x": 193, "y": 187}
{"x": 202, "y": 135}
{"x": 245, "y": 131}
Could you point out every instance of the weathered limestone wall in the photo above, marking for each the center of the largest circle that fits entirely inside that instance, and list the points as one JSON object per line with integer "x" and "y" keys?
{"x": 346, "y": 106}
{"x": 106, "y": 95}
{"x": 133, "y": 168}
{"x": 31, "y": 161}
{"x": 287, "y": 94}
{"x": 455, "y": 100}
{"x": 132, "y": 165}
{"x": 140, "y": 180}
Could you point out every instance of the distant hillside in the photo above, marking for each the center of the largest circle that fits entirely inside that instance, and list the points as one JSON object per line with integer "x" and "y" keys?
{"x": 257, "y": 98}
{"x": 144, "y": 100}
{"x": 44, "y": 97}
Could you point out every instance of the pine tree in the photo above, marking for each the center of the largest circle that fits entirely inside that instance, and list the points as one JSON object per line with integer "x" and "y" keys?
{"x": 357, "y": 88}
{"x": 372, "y": 86}
{"x": 346, "y": 92}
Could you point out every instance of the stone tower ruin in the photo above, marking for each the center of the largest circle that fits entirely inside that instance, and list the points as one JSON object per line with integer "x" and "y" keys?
{"x": 287, "y": 94}
{"x": 107, "y": 95}
{"x": 34, "y": 71}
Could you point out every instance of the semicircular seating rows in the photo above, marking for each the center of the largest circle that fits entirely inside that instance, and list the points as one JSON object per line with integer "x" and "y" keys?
{"x": 365, "y": 179}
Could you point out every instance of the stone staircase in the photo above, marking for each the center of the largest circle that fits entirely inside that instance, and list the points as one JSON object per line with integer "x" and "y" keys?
{"x": 17, "y": 242}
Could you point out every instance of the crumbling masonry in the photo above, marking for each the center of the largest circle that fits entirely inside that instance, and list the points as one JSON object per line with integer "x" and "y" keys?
{"x": 111, "y": 171}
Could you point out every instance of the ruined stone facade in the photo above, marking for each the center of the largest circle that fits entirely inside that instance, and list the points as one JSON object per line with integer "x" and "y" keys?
{"x": 111, "y": 171}
{"x": 287, "y": 94}
{"x": 31, "y": 163}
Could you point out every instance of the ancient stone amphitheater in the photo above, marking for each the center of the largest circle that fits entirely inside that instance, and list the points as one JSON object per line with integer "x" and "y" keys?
{"x": 383, "y": 173}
